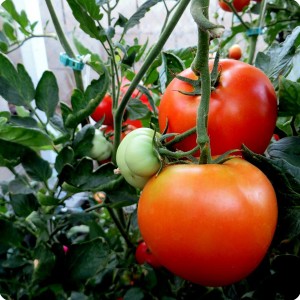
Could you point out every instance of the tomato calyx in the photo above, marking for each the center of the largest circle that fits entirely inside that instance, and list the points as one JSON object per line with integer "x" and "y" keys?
{"x": 196, "y": 83}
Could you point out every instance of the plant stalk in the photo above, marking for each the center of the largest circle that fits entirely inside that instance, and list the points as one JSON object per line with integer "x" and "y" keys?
{"x": 148, "y": 61}
{"x": 64, "y": 42}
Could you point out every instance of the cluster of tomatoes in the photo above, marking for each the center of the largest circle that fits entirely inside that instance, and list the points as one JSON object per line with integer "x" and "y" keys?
{"x": 201, "y": 221}
{"x": 211, "y": 224}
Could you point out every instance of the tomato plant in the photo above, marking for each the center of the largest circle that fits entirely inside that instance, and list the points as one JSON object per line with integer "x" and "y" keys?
{"x": 144, "y": 255}
{"x": 136, "y": 157}
{"x": 235, "y": 117}
{"x": 235, "y": 52}
{"x": 208, "y": 216}
{"x": 239, "y": 5}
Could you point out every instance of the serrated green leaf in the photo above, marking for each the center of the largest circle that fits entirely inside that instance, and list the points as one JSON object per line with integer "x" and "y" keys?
{"x": 278, "y": 58}
{"x": 83, "y": 141}
{"x": 85, "y": 106}
{"x": 11, "y": 152}
{"x": 139, "y": 14}
{"x": 31, "y": 137}
{"x": 136, "y": 109}
{"x": 83, "y": 177}
{"x": 87, "y": 23}
{"x": 16, "y": 86}
{"x": 289, "y": 97}
{"x": 23, "y": 204}
{"x": 36, "y": 167}
{"x": 46, "y": 96}
{"x": 65, "y": 156}
{"x": 171, "y": 65}
{"x": 84, "y": 260}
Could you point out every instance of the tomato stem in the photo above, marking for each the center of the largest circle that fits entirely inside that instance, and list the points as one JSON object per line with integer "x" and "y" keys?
{"x": 64, "y": 42}
{"x": 206, "y": 31}
{"x": 148, "y": 61}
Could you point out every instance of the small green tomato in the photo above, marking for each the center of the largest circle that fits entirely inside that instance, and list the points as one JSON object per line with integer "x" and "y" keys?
{"x": 136, "y": 157}
{"x": 102, "y": 148}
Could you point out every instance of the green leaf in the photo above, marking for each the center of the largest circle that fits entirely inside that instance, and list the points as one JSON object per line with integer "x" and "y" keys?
{"x": 24, "y": 121}
{"x": 139, "y": 14}
{"x": 84, "y": 260}
{"x": 121, "y": 194}
{"x": 82, "y": 15}
{"x": 121, "y": 21}
{"x": 15, "y": 85}
{"x": 83, "y": 141}
{"x": 23, "y": 204}
{"x": 47, "y": 200}
{"x": 10, "y": 234}
{"x": 136, "y": 109}
{"x": 83, "y": 177}
{"x": 287, "y": 148}
{"x": 11, "y": 153}
{"x": 19, "y": 186}
{"x": 46, "y": 96}
{"x": 289, "y": 97}
{"x": 83, "y": 106}
{"x": 30, "y": 137}
{"x": 36, "y": 167}
{"x": 278, "y": 58}
{"x": 65, "y": 156}
{"x": 134, "y": 293}
{"x": 171, "y": 66}
{"x": 9, "y": 31}
{"x": 20, "y": 18}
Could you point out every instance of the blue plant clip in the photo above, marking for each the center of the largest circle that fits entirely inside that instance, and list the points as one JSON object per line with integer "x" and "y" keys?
{"x": 71, "y": 62}
{"x": 254, "y": 31}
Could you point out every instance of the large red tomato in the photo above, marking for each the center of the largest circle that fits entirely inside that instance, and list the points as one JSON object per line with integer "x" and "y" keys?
{"x": 243, "y": 109}
{"x": 209, "y": 224}
{"x": 238, "y": 5}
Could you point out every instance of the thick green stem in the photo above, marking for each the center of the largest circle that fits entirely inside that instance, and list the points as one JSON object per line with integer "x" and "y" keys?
{"x": 148, "y": 62}
{"x": 254, "y": 38}
{"x": 200, "y": 66}
{"x": 64, "y": 42}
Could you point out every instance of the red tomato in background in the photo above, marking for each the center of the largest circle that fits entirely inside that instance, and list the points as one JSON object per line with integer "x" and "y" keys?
{"x": 235, "y": 52}
{"x": 238, "y": 5}
{"x": 144, "y": 255}
{"x": 210, "y": 224}
{"x": 243, "y": 109}
{"x": 105, "y": 106}
{"x": 104, "y": 109}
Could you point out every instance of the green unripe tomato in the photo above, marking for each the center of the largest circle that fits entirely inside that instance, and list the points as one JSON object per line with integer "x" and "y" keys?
{"x": 102, "y": 148}
{"x": 136, "y": 158}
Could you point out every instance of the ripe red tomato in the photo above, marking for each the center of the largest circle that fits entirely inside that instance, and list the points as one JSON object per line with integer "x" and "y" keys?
{"x": 243, "y": 109}
{"x": 235, "y": 52}
{"x": 238, "y": 5}
{"x": 104, "y": 109}
{"x": 144, "y": 255}
{"x": 210, "y": 224}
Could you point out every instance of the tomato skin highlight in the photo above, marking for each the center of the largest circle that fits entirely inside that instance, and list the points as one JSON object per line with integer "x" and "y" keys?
{"x": 238, "y": 5}
{"x": 104, "y": 109}
{"x": 210, "y": 224}
{"x": 243, "y": 109}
